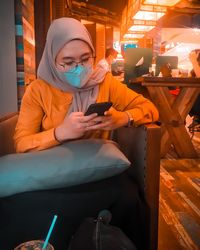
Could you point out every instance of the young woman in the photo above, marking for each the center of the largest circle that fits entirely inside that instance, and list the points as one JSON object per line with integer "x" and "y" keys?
{"x": 53, "y": 106}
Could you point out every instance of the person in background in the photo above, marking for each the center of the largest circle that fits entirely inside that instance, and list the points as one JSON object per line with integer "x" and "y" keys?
{"x": 106, "y": 62}
{"x": 53, "y": 108}
{"x": 194, "y": 57}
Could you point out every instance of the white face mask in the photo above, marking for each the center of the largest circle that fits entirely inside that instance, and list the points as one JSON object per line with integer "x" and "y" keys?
{"x": 78, "y": 76}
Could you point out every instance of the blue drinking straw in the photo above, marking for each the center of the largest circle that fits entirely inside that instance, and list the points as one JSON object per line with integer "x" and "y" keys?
{"x": 50, "y": 231}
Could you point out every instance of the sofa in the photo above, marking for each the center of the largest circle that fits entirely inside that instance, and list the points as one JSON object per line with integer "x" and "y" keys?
{"x": 24, "y": 215}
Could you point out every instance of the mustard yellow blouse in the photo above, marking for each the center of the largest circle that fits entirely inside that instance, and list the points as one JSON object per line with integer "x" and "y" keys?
{"x": 44, "y": 107}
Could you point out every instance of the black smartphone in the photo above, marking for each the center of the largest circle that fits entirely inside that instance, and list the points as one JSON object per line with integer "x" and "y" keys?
{"x": 98, "y": 108}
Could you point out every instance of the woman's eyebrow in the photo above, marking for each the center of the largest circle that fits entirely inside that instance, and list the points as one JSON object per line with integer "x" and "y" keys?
{"x": 68, "y": 58}
{"x": 72, "y": 58}
{"x": 86, "y": 54}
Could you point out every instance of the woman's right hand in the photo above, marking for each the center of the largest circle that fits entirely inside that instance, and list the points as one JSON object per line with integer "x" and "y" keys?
{"x": 73, "y": 126}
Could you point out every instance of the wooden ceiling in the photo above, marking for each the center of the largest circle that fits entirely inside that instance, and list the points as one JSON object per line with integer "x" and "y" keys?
{"x": 115, "y": 6}
{"x": 109, "y": 11}
{"x": 187, "y": 7}
{"x": 101, "y": 11}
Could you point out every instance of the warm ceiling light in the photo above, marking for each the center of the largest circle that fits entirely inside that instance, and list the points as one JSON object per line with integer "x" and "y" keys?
{"x": 129, "y": 35}
{"x": 141, "y": 28}
{"x": 151, "y": 8}
{"x": 148, "y": 15}
{"x": 144, "y": 22}
{"x": 120, "y": 57}
{"x": 161, "y": 2}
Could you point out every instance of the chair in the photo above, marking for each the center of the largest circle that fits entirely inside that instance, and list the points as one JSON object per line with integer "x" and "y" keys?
{"x": 141, "y": 145}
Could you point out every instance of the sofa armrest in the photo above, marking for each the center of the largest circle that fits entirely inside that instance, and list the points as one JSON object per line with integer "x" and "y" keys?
{"x": 7, "y": 129}
{"x": 141, "y": 145}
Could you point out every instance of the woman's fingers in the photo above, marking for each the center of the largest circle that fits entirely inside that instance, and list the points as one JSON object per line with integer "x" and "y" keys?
{"x": 87, "y": 118}
{"x": 100, "y": 123}
{"x": 91, "y": 122}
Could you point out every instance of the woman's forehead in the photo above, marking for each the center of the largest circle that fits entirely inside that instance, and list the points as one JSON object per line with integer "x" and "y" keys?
{"x": 74, "y": 48}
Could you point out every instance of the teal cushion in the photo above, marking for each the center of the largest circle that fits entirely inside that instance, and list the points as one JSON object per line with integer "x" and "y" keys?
{"x": 72, "y": 163}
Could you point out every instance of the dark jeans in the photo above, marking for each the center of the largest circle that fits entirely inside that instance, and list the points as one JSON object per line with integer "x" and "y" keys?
{"x": 27, "y": 216}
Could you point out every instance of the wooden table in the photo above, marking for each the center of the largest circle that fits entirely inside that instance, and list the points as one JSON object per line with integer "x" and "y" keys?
{"x": 173, "y": 110}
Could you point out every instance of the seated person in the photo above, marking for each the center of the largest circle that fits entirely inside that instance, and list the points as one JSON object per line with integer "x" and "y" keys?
{"x": 53, "y": 107}
{"x": 110, "y": 56}
{"x": 195, "y": 111}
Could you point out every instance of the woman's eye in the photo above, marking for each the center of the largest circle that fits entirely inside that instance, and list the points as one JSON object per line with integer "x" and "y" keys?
{"x": 69, "y": 63}
{"x": 85, "y": 60}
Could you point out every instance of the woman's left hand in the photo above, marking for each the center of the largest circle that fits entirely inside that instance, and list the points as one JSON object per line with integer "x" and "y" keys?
{"x": 112, "y": 119}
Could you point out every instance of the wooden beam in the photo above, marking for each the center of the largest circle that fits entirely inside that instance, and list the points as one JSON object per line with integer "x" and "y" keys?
{"x": 42, "y": 10}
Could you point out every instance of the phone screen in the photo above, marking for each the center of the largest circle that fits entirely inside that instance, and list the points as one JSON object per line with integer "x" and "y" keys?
{"x": 98, "y": 108}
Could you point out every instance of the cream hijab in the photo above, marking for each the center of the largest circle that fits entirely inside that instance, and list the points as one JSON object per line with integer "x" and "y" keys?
{"x": 60, "y": 32}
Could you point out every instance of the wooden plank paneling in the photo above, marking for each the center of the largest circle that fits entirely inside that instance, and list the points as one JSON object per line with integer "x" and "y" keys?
{"x": 91, "y": 27}
{"x": 179, "y": 212}
{"x": 100, "y": 41}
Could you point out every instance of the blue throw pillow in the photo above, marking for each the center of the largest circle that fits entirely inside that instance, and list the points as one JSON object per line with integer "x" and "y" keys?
{"x": 72, "y": 163}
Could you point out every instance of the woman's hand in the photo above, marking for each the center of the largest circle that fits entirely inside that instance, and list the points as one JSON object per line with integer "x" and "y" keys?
{"x": 74, "y": 126}
{"x": 113, "y": 119}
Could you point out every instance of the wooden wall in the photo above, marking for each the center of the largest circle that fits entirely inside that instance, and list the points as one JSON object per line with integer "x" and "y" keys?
{"x": 100, "y": 42}
{"x": 43, "y": 17}
{"x": 8, "y": 78}
{"x": 25, "y": 45}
